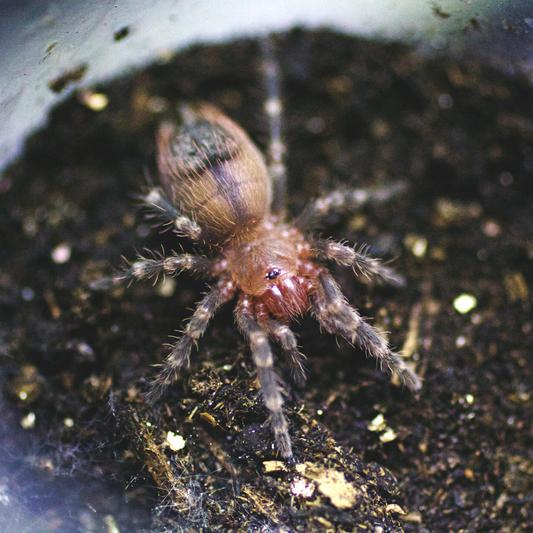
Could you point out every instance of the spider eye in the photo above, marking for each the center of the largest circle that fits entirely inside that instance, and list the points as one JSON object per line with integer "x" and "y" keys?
{"x": 273, "y": 274}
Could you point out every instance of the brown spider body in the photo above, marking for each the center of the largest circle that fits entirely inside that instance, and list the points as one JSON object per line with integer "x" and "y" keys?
{"x": 218, "y": 191}
{"x": 218, "y": 178}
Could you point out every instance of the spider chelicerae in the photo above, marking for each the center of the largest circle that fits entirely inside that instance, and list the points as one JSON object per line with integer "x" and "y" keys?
{"x": 218, "y": 191}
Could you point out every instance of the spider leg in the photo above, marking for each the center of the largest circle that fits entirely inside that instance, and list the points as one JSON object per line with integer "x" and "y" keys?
{"x": 145, "y": 268}
{"x": 163, "y": 209}
{"x": 344, "y": 201}
{"x": 287, "y": 340}
{"x": 274, "y": 111}
{"x": 196, "y": 327}
{"x": 264, "y": 361}
{"x": 346, "y": 256}
{"x": 336, "y": 316}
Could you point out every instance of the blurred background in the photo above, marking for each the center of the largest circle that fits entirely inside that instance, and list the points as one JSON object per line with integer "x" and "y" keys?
{"x": 51, "y": 47}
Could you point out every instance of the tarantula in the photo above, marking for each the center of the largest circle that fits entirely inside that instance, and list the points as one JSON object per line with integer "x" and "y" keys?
{"x": 218, "y": 191}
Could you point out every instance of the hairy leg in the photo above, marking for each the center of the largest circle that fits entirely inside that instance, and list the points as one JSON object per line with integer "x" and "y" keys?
{"x": 349, "y": 200}
{"x": 264, "y": 361}
{"x": 274, "y": 111}
{"x": 164, "y": 210}
{"x": 287, "y": 340}
{"x": 336, "y": 316}
{"x": 347, "y": 256}
{"x": 145, "y": 268}
{"x": 196, "y": 327}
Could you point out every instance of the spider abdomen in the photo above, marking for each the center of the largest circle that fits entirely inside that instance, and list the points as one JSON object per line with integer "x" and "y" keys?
{"x": 213, "y": 173}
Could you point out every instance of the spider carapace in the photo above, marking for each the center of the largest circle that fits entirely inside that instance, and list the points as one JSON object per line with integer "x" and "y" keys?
{"x": 217, "y": 190}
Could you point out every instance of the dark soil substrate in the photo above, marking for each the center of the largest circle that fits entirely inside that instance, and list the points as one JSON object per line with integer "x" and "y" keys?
{"x": 80, "y": 449}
